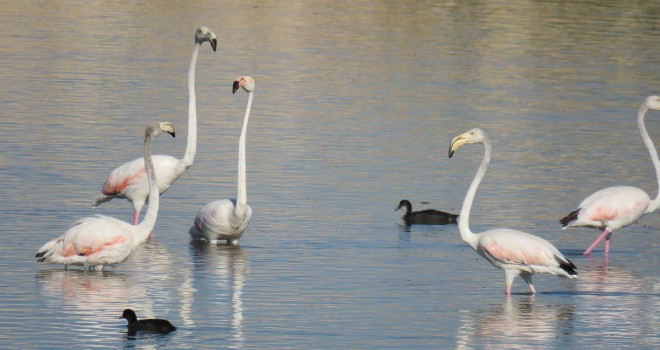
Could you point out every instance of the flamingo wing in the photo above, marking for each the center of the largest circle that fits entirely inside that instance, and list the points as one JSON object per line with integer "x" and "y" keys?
{"x": 613, "y": 206}
{"x": 511, "y": 247}
{"x": 87, "y": 237}
{"x": 132, "y": 177}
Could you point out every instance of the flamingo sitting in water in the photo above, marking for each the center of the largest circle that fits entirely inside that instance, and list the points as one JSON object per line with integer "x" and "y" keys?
{"x": 619, "y": 206}
{"x": 228, "y": 219}
{"x": 102, "y": 240}
{"x": 129, "y": 180}
{"x": 517, "y": 253}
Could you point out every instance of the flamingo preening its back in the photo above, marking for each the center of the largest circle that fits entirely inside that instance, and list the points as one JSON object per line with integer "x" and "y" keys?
{"x": 619, "y": 206}
{"x": 102, "y": 240}
{"x": 129, "y": 180}
{"x": 517, "y": 253}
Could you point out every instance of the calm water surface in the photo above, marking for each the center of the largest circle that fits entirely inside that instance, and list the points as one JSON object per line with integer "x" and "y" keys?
{"x": 355, "y": 106}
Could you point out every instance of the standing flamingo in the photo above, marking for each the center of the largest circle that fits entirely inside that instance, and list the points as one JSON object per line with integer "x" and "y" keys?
{"x": 228, "y": 219}
{"x": 103, "y": 240}
{"x": 129, "y": 180}
{"x": 619, "y": 206}
{"x": 515, "y": 252}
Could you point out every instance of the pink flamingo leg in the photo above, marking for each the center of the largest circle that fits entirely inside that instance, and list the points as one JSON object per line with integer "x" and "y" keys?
{"x": 593, "y": 245}
{"x": 136, "y": 217}
{"x": 607, "y": 244}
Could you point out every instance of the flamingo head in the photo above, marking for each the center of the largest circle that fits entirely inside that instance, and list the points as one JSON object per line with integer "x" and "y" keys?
{"x": 204, "y": 34}
{"x": 246, "y": 82}
{"x": 475, "y": 135}
{"x": 158, "y": 128}
{"x": 653, "y": 102}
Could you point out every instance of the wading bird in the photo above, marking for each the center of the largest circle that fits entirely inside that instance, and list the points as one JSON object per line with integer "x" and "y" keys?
{"x": 517, "y": 253}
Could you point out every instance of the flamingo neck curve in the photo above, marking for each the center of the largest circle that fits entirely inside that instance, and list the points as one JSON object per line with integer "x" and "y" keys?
{"x": 191, "y": 144}
{"x": 655, "y": 203}
{"x": 149, "y": 221}
{"x": 464, "y": 217}
{"x": 241, "y": 198}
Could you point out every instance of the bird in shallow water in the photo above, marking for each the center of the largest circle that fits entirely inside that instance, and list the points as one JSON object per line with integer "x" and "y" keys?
{"x": 615, "y": 207}
{"x": 517, "y": 253}
{"x": 424, "y": 217}
{"x": 153, "y": 325}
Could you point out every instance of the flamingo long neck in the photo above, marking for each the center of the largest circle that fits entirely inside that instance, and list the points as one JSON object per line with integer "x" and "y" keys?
{"x": 149, "y": 221}
{"x": 241, "y": 198}
{"x": 191, "y": 145}
{"x": 463, "y": 220}
{"x": 652, "y": 151}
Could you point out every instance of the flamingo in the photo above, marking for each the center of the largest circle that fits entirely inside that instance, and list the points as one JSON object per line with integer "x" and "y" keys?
{"x": 129, "y": 180}
{"x": 228, "y": 219}
{"x": 517, "y": 253}
{"x": 102, "y": 240}
{"x": 619, "y": 206}
{"x": 424, "y": 217}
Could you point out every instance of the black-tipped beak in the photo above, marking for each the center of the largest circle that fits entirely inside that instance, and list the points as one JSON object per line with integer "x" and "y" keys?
{"x": 214, "y": 43}
{"x": 172, "y": 133}
{"x": 235, "y": 87}
{"x": 451, "y": 152}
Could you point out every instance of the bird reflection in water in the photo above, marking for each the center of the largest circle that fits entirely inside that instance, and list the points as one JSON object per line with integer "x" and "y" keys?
{"x": 220, "y": 270}
{"x": 517, "y": 323}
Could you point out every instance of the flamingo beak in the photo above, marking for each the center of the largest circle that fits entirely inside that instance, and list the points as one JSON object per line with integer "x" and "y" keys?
{"x": 214, "y": 43}
{"x": 235, "y": 87}
{"x": 456, "y": 143}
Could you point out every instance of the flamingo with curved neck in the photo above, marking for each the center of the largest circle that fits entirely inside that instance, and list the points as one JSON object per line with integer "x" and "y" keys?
{"x": 228, "y": 219}
{"x": 102, "y": 240}
{"x": 619, "y": 206}
{"x": 129, "y": 180}
{"x": 517, "y": 253}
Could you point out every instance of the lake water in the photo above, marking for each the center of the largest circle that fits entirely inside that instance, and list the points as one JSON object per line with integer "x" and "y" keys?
{"x": 354, "y": 109}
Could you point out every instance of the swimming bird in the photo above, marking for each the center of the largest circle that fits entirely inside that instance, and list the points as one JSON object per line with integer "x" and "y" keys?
{"x": 227, "y": 219}
{"x": 129, "y": 180}
{"x": 102, "y": 240}
{"x": 153, "y": 325}
{"x": 619, "y": 206}
{"x": 424, "y": 217}
{"x": 517, "y": 253}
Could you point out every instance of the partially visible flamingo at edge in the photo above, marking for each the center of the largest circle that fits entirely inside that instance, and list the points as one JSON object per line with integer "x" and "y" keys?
{"x": 619, "y": 206}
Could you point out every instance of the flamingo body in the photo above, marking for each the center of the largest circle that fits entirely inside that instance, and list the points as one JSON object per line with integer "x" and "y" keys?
{"x": 218, "y": 221}
{"x": 94, "y": 241}
{"x": 619, "y": 206}
{"x": 129, "y": 181}
{"x": 517, "y": 253}
{"x": 102, "y": 240}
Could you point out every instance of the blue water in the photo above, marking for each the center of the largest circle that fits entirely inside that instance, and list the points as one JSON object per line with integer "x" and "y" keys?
{"x": 354, "y": 109}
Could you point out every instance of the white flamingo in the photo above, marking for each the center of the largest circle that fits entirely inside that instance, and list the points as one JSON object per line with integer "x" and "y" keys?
{"x": 228, "y": 219}
{"x": 129, "y": 180}
{"x": 619, "y": 206}
{"x": 102, "y": 240}
{"x": 517, "y": 253}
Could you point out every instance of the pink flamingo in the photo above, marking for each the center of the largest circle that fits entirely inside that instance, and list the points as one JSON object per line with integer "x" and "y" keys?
{"x": 517, "y": 253}
{"x": 228, "y": 219}
{"x": 129, "y": 180}
{"x": 102, "y": 240}
{"x": 619, "y": 206}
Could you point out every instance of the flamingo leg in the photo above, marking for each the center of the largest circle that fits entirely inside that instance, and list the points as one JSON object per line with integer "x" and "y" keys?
{"x": 593, "y": 245}
{"x": 509, "y": 276}
{"x": 528, "y": 278}
{"x": 136, "y": 217}
{"x": 607, "y": 244}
